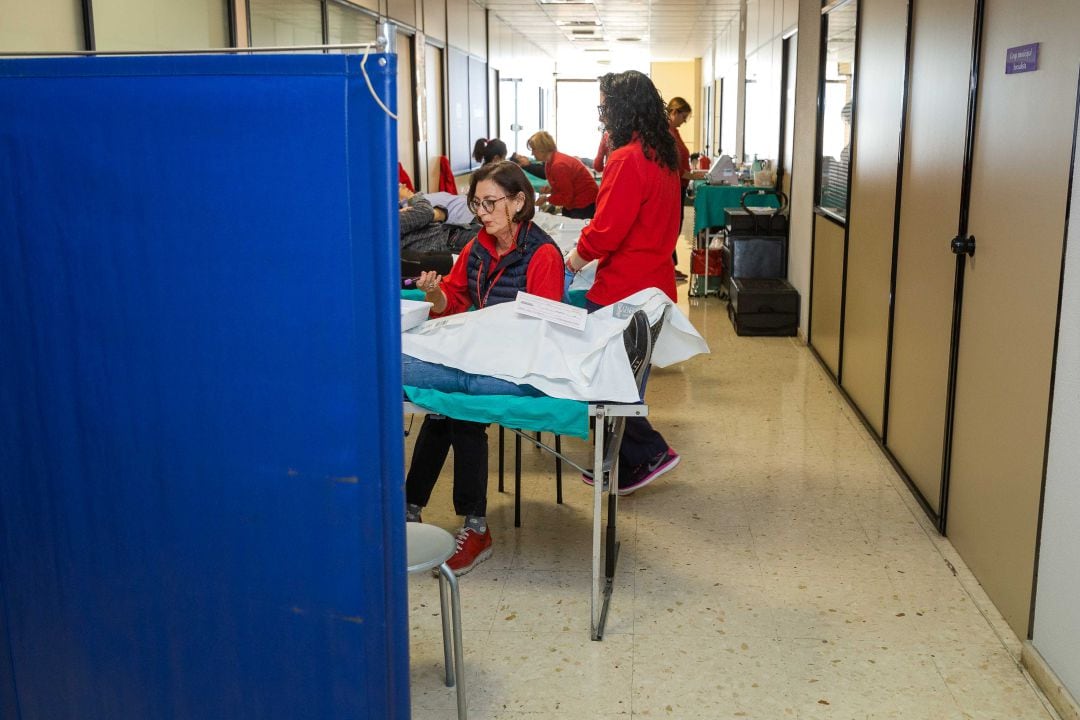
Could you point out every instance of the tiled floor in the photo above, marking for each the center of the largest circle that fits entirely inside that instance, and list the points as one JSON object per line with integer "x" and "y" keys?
{"x": 781, "y": 571}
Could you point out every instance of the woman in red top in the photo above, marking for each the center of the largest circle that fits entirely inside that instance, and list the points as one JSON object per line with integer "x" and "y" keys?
{"x": 633, "y": 235}
{"x": 509, "y": 254}
{"x": 570, "y": 184}
{"x": 678, "y": 111}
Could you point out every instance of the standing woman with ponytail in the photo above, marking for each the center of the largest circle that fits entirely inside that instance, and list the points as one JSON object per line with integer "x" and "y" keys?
{"x": 509, "y": 254}
{"x": 633, "y": 235}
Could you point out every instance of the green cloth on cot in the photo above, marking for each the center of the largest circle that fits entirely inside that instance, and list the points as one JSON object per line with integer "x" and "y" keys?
{"x": 545, "y": 414}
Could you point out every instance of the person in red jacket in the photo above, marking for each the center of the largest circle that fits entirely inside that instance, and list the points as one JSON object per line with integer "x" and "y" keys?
{"x": 633, "y": 235}
{"x": 602, "y": 153}
{"x": 678, "y": 112}
{"x": 570, "y": 184}
{"x": 508, "y": 255}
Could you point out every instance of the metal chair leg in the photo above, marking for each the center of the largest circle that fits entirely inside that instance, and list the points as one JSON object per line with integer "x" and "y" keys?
{"x": 558, "y": 469}
{"x": 502, "y": 440}
{"x": 517, "y": 480}
{"x": 448, "y": 653}
{"x": 447, "y": 575}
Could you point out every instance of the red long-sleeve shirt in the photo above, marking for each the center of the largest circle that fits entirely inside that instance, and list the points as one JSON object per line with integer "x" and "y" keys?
{"x": 684, "y": 157}
{"x": 601, "y": 154}
{"x": 635, "y": 228}
{"x": 572, "y": 185}
{"x": 543, "y": 277}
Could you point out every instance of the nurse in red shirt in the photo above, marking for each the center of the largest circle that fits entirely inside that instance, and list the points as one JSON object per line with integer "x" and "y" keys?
{"x": 570, "y": 184}
{"x": 633, "y": 235}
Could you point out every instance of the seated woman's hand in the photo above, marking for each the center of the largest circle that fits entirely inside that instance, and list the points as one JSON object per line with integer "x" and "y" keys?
{"x": 429, "y": 281}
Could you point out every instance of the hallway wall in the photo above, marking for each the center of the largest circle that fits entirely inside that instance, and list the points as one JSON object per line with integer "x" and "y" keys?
{"x": 1056, "y": 629}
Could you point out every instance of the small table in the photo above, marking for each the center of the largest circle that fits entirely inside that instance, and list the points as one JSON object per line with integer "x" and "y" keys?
{"x": 710, "y": 201}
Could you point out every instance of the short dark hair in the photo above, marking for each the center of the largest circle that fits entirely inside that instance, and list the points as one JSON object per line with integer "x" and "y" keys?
{"x": 511, "y": 178}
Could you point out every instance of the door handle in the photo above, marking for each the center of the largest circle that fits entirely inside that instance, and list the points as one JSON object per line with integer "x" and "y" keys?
{"x": 963, "y": 245}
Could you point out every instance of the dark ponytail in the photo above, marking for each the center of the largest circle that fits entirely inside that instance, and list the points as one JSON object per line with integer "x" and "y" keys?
{"x": 484, "y": 151}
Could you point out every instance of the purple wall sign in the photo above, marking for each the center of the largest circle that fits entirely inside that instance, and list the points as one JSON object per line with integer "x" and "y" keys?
{"x": 1023, "y": 58}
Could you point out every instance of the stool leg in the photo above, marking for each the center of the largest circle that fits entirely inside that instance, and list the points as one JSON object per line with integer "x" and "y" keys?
{"x": 459, "y": 654}
{"x": 502, "y": 439}
{"x": 448, "y": 656}
{"x": 558, "y": 469}
{"x": 517, "y": 480}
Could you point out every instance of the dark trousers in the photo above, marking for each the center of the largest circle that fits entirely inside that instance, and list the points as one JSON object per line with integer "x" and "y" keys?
{"x": 641, "y": 442}
{"x": 582, "y": 213}
{"x": 469, "y": 440}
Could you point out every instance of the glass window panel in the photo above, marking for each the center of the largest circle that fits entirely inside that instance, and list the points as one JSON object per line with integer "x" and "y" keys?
{"x": 838, "y": 77}
{"x": 160, "y": 24}
{"x": 349, "y": 27}
{"x": 41, "y": 25}
{"x": 278, "y": 23}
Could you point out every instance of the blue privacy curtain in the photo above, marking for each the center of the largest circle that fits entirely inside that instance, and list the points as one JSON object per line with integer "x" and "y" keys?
{"x": 200, "y": 396}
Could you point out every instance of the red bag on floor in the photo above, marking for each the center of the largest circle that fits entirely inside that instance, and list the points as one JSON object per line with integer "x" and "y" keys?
{"x": 697, "y": 261}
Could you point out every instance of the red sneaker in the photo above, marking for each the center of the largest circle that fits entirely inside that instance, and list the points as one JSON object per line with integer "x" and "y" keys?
{"x": 473, "y": 548}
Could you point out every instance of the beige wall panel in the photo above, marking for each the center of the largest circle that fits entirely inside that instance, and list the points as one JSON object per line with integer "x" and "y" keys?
{"x": 682, "y": 79}
{"x": 457, "y": 23}
{"x": 402, "y": 10}
{"x": 160, "y": 24}
{"x": 41, "y": 25}
{"x": 368, "y": 4}
{"x": 753, "y": 12}
{"x": 791, "y": 14}
{"x": 802, "y": 166}
{"x": 765, "y": 29}
{"x": 436, "y": 144}
{"x": 827, "y": 288}
{"x": 435, "y": 19}
{"x": 406, "y": 104}
{"x": 880, "y": 81}
{"x": 477, "y": 30}
{"x": 929, "y": 208}
{"x": 1010, "y": 297}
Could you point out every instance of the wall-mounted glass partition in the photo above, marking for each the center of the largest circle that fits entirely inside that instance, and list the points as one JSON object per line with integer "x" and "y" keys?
{"x": 836, "y": 96}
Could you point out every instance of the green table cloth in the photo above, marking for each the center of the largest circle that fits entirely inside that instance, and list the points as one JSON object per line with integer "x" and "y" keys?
{"x": 711, "y": 200}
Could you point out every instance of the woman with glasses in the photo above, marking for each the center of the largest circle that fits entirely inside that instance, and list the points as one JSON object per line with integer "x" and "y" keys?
{"x": 678, "y": 111}
{"x": 509, "y": 254}
{"x": 570, "y": 184}
{"x": 633, "y": 235}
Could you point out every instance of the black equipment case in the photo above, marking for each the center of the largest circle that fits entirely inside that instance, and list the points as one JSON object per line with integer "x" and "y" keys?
{"x": 763, "y": 306}
{"x": 756, "y": 242}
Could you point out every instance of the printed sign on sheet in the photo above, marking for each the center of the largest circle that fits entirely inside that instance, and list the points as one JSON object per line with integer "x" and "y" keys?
{"x": 551, "y": 310}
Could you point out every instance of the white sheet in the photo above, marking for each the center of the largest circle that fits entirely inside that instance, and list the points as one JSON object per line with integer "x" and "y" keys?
{"x": 565, "y": 231}
{"x": 590, "y": 365}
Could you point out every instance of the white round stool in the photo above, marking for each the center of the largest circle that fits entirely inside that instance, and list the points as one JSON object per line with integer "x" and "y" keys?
{"x": 429, "y": 547}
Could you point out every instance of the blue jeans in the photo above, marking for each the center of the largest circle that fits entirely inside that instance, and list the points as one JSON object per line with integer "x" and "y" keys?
{"x": 423, "y": 374}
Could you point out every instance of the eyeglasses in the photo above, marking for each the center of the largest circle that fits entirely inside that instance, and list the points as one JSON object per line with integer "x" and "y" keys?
{"x": 600, "y": 111}
{"x": 487, "y": 203}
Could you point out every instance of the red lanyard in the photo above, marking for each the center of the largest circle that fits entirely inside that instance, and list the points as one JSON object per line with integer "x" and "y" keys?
{"x": 481, "y": 301}
{"x": 482, "y": 297}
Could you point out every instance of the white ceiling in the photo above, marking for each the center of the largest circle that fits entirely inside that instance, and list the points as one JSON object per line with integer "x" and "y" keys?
{"x": 667, "y": 29}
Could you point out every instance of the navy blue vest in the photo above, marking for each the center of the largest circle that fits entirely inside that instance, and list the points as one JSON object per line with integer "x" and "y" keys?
{"x": 489, "y": 287}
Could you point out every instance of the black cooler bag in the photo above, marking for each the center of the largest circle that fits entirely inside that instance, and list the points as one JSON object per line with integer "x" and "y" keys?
{"x": 763, "y": 306}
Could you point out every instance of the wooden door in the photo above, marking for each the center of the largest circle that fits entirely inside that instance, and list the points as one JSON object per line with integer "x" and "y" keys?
{"x": 1023, "y": 137}
{"x": 939, "y": 70}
